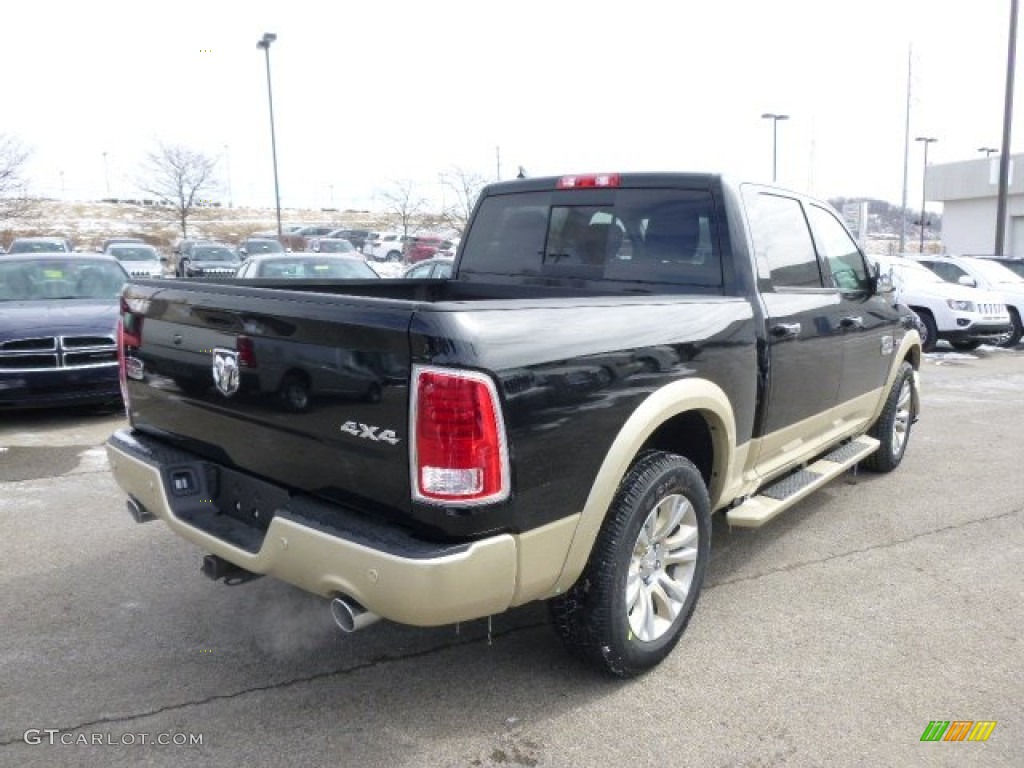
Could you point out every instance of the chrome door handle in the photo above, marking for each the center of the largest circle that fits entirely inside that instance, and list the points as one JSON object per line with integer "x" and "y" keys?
{"x": 786, "y": 330}
{"x": 852, "y": 322}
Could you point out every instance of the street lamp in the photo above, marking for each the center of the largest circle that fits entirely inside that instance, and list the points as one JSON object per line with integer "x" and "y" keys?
{"x": 264, "y": 43}
{"x": 924, "y": 175}
{"x": 106, "y": 172}
{"x": 775, "y": 140}
{"x": 987, "y": 150}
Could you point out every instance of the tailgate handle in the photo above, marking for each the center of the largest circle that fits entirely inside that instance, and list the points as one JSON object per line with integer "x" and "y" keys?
{"x": 786, "y": 330}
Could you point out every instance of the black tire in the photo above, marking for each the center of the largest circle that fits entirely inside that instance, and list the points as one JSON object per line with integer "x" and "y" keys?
{"x": 1018, "y": 330}
{"x": 965, "y": 346}
{"x": 394, "y": 256}
{"x": 930, "y": 331}
{"x": 183, "y": 268}
{"x": 294, "y": 392}
{"x": 892, "y": 428}
{"x": 594, "y": 619}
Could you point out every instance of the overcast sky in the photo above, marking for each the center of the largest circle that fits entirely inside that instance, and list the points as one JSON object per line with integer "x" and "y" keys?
{"x": 369, "y": 92}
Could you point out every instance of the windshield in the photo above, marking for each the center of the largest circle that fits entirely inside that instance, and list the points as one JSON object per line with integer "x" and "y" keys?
{"x": 213, "y": 253}
{"x": 134, "y": 253}
{"x": 995, "y": 272}
{"x": 43, "y": 279}
{"x": 37, "y": 246}
{"x": 336, "y": 246}
{"x": 316, "y": 268}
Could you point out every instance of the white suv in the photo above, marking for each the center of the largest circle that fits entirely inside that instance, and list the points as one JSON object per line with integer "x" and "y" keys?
{"x": 965, "y": 317}
{"x": 983, "y": 273}
{"x": 385, "y": 246}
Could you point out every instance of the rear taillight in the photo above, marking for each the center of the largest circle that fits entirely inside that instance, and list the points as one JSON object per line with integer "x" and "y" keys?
{"x": 588, "y": 181}
{"x": 246, "y": 352}
{"x": 458, "y": 454}
{"x": 129, "y": 338}
{"x": 131, "y": 324}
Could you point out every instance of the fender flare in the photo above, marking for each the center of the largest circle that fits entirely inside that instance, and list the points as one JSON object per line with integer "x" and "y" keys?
{"x": 684, "y": 396}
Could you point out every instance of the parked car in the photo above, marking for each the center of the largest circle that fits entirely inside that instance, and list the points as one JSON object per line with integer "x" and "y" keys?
{"x": 40, "y": 245}
{"x": 302, "y": 238}
{"x": 965, "y": 317}
{"x": 357, "y": 237}
{"x": 333, "y": 245}
{"x": 1014, "y": 265}
{"x": 209, "y": 260}
{"x": 254, "y": 245}
{"x": 423, "y": 247}
{"x": 118, "y": 240}
{"x": 437, "y": 269}
{"x": 58, "y": 329}
{"x": 987, "y": 274}
{"x": 306, "y": 266}
{"x": 138, "y": 259}
{"x": 385, "y": 246}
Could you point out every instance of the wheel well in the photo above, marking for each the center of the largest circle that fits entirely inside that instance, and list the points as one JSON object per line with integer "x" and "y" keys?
{"x": 297, "y": 373}
{"x": 689, "y": 435}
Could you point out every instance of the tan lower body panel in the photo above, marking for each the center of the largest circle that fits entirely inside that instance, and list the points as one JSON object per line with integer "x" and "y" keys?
{"x": 479, "y": 581}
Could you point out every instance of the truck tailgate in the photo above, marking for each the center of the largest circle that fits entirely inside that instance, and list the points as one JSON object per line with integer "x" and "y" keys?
{"x": 306, "y": 390}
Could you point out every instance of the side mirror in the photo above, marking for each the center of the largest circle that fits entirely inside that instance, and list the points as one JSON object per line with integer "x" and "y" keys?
{"x": 968, "y": 281}
{"x": 881, "y": 282}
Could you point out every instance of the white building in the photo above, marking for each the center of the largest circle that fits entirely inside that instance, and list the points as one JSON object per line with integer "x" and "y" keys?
{"x": 969, "y": 191}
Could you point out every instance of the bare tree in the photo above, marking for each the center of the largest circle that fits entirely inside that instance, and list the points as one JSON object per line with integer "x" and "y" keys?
{"x": 178, "y": 177}
{"x": 464, "y": 188}
{"x": 14, "y": 200}
{"x": 402, "y": 201}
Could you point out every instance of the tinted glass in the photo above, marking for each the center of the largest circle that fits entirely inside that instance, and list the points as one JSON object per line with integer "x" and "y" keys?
{"x": 134, "y": 253}
{"x": 213, "y": 253}
{"x": 948, "y": 271}
{"x": 782, "y": 240}
{"x": 630, "y": 235}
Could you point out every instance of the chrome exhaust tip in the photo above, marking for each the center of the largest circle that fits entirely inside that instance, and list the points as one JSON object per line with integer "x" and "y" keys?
{"x": 138, "y": 512}
{"x": 350, "y": 615}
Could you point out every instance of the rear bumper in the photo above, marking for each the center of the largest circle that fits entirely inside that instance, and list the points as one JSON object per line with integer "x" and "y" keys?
{"x": 323, "y": 549}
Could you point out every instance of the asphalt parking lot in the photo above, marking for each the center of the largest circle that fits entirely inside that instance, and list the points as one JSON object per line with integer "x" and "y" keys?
{"x": 830, "y": 637}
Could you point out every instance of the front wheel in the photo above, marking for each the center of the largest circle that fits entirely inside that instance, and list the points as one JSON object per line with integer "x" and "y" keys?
{"x": 892, "y": 429}
{"x": 929, "y": 332}
{"x": 639, "y": 589}
{"x": 1018, "y": 330}
{"x": 394, "y": 256}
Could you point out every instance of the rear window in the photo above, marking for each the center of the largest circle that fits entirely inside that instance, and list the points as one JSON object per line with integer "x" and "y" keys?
{"x": 625, "y": 235}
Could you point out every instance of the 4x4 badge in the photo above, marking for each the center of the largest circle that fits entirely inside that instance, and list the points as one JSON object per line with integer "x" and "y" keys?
{"x": 225, "y": 371}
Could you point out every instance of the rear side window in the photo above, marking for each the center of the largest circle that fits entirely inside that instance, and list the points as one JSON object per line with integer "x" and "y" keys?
{"x": 845, "y": 263}
{"x": 782, "y": 240}
{"x": 625, "y": 235}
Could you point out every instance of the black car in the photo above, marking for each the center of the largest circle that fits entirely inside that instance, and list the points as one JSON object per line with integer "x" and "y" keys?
{"x": 357, "y": 237}
{"x": 254, "y": 245}
{"x": 40, "y": 245}
{"x": 58, "y": 329}
{"x": 209, "y": 260}
{"x": 437, "y": 269}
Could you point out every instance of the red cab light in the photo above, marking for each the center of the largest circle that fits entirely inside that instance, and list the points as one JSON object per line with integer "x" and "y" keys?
{"x": 459, "y": 454}
{"x": 588, "y": 181}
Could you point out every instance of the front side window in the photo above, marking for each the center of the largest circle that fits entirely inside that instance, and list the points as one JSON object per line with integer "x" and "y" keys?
{"x": 840, "y": 252}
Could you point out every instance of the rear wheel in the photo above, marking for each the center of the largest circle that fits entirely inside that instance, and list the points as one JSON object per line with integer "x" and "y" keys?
{"x": 394, "y": 256}
{"x": 639, "y": 588}
{"x": 892, "y": 429}
{"x": 183, "y": 268}
{"x": 294, "y": 392}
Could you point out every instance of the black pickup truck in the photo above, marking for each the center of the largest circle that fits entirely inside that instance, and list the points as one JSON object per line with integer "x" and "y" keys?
{"x": 616, "y": 357}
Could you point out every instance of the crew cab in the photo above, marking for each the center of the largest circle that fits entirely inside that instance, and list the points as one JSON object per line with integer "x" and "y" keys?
{"x": 615, "y": 358}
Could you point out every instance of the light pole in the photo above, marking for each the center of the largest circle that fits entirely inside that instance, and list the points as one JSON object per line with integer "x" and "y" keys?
{"x": 227, "y": 162}
{"x": 106, "y": 173}
{"x": 264, "y": 43}
{"x": 924, "y": 175}
{"x": 775, "y": 140}
{"x": 987, "y": 150}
